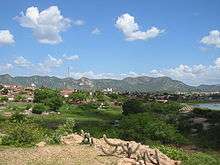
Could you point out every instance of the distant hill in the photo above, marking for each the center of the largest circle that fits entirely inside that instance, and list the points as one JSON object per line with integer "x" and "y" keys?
{"x": 143, "y": 83}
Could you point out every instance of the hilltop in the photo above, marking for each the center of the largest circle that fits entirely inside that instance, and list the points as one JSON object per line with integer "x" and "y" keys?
{"x": 143, "y": 83}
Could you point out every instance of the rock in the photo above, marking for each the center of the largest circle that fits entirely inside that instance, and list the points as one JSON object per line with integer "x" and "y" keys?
{"x": 71, "y": 139}
{"x": 41, "y": 144}
{"x": 126, "y": 161}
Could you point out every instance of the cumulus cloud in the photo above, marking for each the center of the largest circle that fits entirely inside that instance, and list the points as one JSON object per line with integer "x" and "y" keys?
{"x": 96, "y": 31}
{"x": 93, "y": 75}
{"x": 217, "y": 62}
{"x": 50, "y": 63}
{"x": 6, "y": 67}
{"x": 22, "y": 62}
{"x": 79, "y": 22}
{"x": 46, "y": 25}
{"x": 6, "y": 37}
{"x": 126, "y": 23}
{"x": 195, "y": 75}
{"x": 71, "y": 58}
{"x": 213, "y": 38}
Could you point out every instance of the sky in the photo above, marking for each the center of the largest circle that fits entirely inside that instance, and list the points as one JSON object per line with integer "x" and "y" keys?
{"x": 112, "y": 39}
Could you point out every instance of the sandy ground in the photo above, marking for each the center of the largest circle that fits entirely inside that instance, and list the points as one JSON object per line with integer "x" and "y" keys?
{"x": 54, "y": 155}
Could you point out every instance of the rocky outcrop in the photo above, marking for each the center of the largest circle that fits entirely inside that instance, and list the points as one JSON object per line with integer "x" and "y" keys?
{"x": 128, "y": 152}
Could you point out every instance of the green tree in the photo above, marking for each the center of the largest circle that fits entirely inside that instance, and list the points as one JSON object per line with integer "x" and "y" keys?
{"x": 132, "y": 106}
{"x": 48, "y": 97}
{"x": 79, "y": 96}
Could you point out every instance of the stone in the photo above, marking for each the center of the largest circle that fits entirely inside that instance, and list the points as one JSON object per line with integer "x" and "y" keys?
{"x": 41, "y": 144}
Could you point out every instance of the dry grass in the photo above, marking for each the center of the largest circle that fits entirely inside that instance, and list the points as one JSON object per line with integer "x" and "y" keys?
{"x": 54, "y": 155}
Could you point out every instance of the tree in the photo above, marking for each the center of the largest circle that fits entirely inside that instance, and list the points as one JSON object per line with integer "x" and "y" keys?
{"x": 39, "y": 108}
{"x": 79, "y": 96}
{"x": 132, "y": 106}
{"x": 48, "y": 97}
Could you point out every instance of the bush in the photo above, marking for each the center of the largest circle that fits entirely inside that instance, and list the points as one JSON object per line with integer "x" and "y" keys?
{"x": 173, "y": 153}
{"x": 18, "y": 118}
{"x": 65, "y": 129}
{"x": 141, "y": 127}
{"x": 201, "y": 159}
{"x": 78, "y": 97}
{"x": 48, "y": 97}
{"x": 163, "y": 108}
{"x": 132, "y": 107}
{"x": 21, "y": 134}
{"x": 3, "y": 99}
{"x": 54, "y": 103}
{"x": 19, "y": 98}
{"x": 39, "y": 108}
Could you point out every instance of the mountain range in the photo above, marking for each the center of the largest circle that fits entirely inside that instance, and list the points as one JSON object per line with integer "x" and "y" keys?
{"x": 143, "y": 83}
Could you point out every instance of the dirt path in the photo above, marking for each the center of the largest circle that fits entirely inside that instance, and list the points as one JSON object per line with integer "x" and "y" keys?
{"x": 54, "y": 155}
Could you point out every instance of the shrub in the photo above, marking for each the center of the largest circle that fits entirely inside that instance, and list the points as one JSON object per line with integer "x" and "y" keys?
{"x": 48, "y": 97}
{"x": 163, "y": 108}
{"x": 54, "y": 103}
{"x": 28, "y": 106}
{"x": 65, "y": 129}
{"x": 79, "y": 96}
{"x": 39, "y": 108}
{"x": 3, "y": 98}
{"x": 201, "y": 159}
{"x": 141, "y": 127}
{"x": 19, "y": 98}
{"x": 23, "y": 135}
{"x": 132, "y": 107}
{"x": 173, "y": 153}
{"x": 18, "y": 118}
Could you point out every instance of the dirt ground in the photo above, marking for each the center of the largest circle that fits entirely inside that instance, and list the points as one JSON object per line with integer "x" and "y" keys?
{"x": 54, "y": 155}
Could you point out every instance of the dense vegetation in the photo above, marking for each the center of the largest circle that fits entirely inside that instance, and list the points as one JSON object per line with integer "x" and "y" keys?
{"x": 161, "y": 125}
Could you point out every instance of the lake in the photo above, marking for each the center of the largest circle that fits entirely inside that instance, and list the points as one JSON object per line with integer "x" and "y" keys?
{"x": 213, "y": 106}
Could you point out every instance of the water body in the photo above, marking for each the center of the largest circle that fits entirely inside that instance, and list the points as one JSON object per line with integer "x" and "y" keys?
{"x": 213, "y": 106}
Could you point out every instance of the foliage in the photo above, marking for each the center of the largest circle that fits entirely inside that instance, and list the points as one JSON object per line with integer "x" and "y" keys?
{"x": 39, "y": 108}
{"x": 21, "y": 134}
{"x": 132, "y": 106}
{"x": 212, "y": 115}
{"x": 187, "y": 158}
{"x": 65, "y": 129}
{"x": 3, "y": 98}
{"x": 79, "y": 96}
{"x": 49, "y": 97}
{"x": 201, "y": 159}
{"x": 54, "y": 103}
{"x": 141, "y": 127}
{"x": 18, "y": 118}
{"x": 163, "y": 108}
{"x": 173, "y": 153}
{"x": 19, "y": 98}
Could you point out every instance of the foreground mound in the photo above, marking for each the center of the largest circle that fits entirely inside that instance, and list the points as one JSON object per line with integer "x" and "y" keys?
{"x": 126, "y": 152}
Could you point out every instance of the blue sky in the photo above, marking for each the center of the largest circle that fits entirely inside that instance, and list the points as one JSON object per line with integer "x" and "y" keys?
{"x": 112, "y": 39}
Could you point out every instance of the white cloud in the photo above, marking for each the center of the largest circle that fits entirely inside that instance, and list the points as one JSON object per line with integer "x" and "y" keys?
{"x": 50, "y": 63}
{"x": 79, "y": 22}
{"x": 96, "y": 31}
{"x": 217, "y": 62}
{"x": 6, "y": 37}
{"x": 6, "y": 67}
{"x": 71, "y": 58}
{"x": 46, "y": 25}
{"x": 126, "y": 23}
{"x": 195, "y": 75}
{"x": 93, "y": 75}
{"x": 212, "y": 39}
{"x": 22, "y": 62}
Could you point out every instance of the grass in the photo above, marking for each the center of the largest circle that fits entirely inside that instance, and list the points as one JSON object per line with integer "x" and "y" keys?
{"x": 98, "y": 122}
